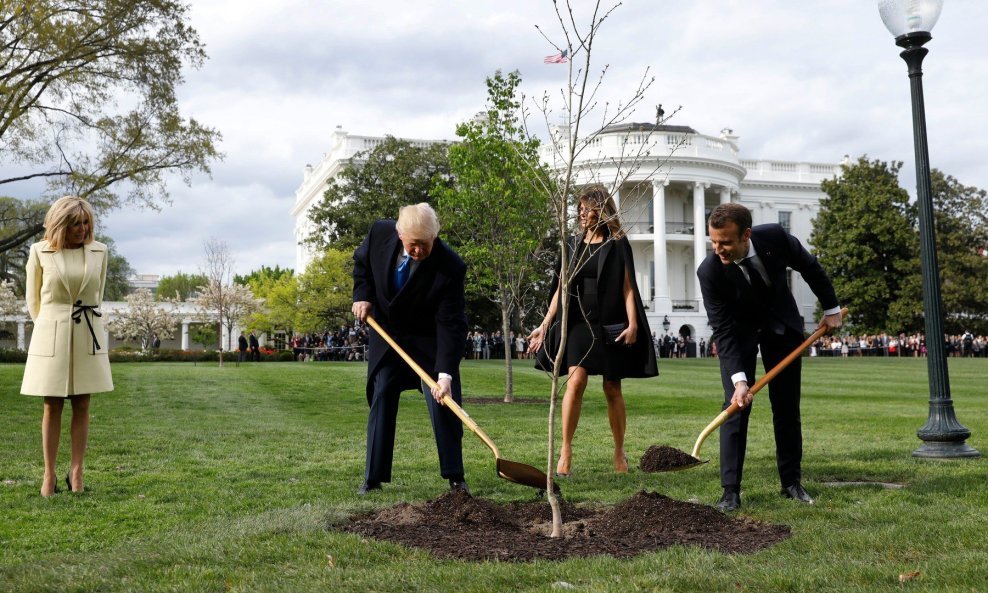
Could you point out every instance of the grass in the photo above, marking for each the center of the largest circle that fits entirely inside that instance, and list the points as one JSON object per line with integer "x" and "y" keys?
{"x": 209, "y": 479}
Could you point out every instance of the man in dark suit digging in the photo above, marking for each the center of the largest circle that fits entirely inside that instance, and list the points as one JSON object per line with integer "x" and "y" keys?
{"x": 749, "y": 306}
{"x": 412, "y": 283}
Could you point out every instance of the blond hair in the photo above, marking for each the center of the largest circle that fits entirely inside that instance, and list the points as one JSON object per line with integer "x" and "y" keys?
{"x": 418, "y": 221}
{"x": 65, "y": 212}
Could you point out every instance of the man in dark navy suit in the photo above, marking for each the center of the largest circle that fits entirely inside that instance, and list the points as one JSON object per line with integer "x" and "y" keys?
{"x": 412, "y": 284}
{"x": 750, "y": 306}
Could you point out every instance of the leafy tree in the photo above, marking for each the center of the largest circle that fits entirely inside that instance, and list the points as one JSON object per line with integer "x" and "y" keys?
{"x": 325, "y": 292}
{"x": 181, "y": 286}
{"x": 118, "y": 273}
{"x": 374, "y": 185}
{"x": 281, "y": 305}
{"x": 88, "y": 101}
{"x": 205, "y": 334}
{"x": 497, "y": 215}
{"x": 259, "y": 279}
{"x": 15, "y": 216}
{"x": 961, "y": 219}
{"x": 864, "y": 236}
{"x": 143, "y": 318}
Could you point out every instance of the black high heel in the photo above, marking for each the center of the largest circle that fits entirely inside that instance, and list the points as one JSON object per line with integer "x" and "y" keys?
{"x": 68, "y": 482}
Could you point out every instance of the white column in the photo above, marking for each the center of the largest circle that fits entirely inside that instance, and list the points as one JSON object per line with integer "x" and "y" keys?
{"x": 725, "y": 195}
{"x": 185, "y": 335}
{"x": 20, "y": 336}
{"x": 699, "y": 234}
{"x": 663, "y": 302}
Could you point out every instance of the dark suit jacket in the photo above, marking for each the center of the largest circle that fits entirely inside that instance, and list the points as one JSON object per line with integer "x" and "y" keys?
{"x": 736, "y": 316}
{"x": 254, "y": 344}
{"x": 426, "y": 318}
{"x": 242, "y": 344}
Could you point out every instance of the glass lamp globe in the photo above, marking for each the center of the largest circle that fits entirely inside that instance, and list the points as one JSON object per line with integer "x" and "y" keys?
{"x": 902, "y": 17}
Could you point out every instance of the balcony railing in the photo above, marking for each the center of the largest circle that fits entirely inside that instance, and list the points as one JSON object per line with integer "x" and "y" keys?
{"x": 647, "y": 228}
{"x": 679, "y": 228}
{"x": 638, "y": 228}
{"x": 686, "y": 305}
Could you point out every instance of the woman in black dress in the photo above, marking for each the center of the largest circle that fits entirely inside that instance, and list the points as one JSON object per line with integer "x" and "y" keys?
{"x": 607, "y": 331}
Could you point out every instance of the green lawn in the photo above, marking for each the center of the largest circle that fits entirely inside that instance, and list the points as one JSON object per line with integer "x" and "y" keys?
{"x": 209, "y": 479}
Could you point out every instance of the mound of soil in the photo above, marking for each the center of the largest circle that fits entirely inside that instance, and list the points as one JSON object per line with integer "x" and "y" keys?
{"x": 457, "y": 525}
{"x": 663, "y": 458}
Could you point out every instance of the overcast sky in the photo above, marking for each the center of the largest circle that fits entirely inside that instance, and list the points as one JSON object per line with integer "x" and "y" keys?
{"x": 809, "y": 81}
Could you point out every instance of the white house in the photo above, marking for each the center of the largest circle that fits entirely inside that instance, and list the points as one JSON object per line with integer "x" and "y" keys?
{"x": 342, "y": 148}
{"x": 679, "y": 175}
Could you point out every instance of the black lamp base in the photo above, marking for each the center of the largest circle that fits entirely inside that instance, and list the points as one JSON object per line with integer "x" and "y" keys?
{"x": 946, "y": 450}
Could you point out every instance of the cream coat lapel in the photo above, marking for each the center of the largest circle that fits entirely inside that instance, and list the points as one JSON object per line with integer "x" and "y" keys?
{"x": 57, "y": 261}
{"x": 94, "y": 265}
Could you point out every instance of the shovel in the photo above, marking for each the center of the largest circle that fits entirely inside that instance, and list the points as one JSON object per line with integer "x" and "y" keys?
{"x": 733, "y": 408}
{"x": 512, "y": 471}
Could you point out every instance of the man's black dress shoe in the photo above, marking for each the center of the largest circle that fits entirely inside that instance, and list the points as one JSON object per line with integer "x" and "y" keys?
{"x": 367, "y": 486}
{"x": 797, "y": 492}
{"x": 730, "y": 501}
{"x": 459, "y": 485}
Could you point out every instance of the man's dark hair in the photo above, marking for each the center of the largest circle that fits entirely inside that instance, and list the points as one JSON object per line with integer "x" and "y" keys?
{"x": 730, "y": 212}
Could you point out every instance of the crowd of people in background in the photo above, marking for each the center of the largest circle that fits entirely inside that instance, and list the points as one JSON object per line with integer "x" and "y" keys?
{"x": 349, "y": 342}
{"x": 965, "y": 345}
{"x": 487, "y": 345}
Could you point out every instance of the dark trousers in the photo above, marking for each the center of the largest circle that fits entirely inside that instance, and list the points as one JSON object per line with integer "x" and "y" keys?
{"x": 783, "y": 393}
{"x": 382, "y": 420}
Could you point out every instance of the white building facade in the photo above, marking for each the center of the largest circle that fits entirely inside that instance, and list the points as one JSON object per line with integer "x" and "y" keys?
{"x": 675, "y": 178}
{"x": 342, "y": 149}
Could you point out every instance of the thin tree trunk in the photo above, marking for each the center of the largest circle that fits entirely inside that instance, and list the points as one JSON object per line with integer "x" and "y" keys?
{"x": 509, "y": 384}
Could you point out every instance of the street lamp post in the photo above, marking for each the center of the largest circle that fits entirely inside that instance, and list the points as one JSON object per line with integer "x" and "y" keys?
{"x": 910, "y": 22}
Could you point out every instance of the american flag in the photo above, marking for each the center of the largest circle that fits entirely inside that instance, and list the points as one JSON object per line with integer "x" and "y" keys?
{"x": 559, "y": 58}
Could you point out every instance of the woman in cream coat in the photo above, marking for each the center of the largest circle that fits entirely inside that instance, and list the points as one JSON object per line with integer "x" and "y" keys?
{"x": 66, "y": 274}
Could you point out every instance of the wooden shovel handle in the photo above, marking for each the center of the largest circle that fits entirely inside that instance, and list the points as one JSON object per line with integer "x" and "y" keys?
{"x": 447, "y": 400}
{"x": 733, "y": 408}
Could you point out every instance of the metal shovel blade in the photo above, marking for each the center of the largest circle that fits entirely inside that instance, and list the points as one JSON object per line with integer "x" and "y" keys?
{"x": 525, "y": 475}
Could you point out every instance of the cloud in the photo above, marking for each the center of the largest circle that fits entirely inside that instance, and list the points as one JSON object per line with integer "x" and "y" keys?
{"x": 797, "y": 81}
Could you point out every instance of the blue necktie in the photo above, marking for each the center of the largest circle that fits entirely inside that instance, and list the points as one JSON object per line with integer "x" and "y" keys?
{"x": 401, "y": 273}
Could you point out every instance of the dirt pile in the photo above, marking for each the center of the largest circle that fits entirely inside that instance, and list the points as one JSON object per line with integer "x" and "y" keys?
{"x": 457, "y": 525}
{"x": 663, "y": 458}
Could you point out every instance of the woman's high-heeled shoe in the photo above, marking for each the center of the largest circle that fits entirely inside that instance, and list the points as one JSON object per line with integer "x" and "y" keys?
{"x": 68, "y": 482}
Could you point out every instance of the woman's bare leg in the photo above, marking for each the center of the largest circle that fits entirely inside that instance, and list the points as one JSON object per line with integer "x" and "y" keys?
{"x": 572, "y": 403}
{"x": 80, "y": 437}
{"x": 618, "y": 418}
{"x": 51, "y": 429}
